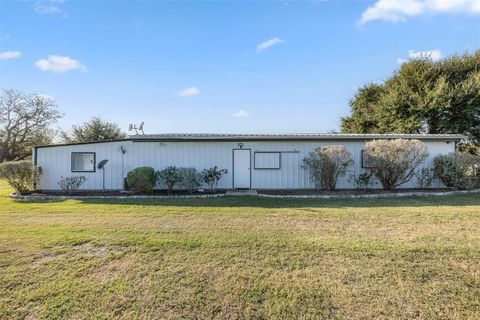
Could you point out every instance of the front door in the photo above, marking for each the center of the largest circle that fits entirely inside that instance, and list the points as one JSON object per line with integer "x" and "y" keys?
{"x": 241, "y": 168}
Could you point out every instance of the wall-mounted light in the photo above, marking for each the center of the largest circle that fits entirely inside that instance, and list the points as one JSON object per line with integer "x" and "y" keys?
{"x": 122, "y": 148}
{"x": 240, "y": 144}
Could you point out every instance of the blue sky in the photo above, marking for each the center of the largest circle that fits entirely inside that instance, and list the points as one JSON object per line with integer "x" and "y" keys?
{"x": 231, "y": 66}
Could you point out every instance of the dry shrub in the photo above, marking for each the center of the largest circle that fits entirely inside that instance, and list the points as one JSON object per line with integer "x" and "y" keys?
{"x": 212, "y": 176}
{"x": 327, "y": 164}
{"x": 189, "y": 179}
{"x": 423, "y": 178}
{"x": 169, "y": 176}
{"x": 20, "y": 175}
{"x": 71, "y": 184}
{"x": 394, "y": 162}
{"x": 457, "y": 170}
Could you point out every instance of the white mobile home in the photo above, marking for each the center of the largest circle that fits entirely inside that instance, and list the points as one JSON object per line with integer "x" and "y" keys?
{"x": 268, "y": 161}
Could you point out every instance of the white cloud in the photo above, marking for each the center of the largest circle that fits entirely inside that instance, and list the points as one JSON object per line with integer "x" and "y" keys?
{"x": 50, "y": 7}
{"x": 6, "y": 55}
{"x": 267, "y": 44}
{"x": 435, "y": 55}
{"x": 241, "y": 114}
{"x": 189, "y": 92}
{"x": 400, "y": 10}
{"x": 59, "y": 64}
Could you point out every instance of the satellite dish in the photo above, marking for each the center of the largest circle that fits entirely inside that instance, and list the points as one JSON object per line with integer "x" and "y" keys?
{"x": 102, "y": 164}
{"x": 141, "y": 127}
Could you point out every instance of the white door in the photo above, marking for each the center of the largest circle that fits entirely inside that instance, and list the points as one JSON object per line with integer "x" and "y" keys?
{"x": 241, "y": 169}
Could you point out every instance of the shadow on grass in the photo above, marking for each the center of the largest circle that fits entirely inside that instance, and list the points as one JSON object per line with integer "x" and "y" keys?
{"x": 259, "y": 202}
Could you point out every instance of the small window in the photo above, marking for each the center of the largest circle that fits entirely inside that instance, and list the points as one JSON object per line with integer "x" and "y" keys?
{"x": 365, "y": 160}
{"x": 83, "y": 161}
{"x": 267, "y": 160}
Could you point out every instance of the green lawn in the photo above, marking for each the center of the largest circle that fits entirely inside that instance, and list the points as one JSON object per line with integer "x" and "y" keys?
{"x": 240, "y": 258}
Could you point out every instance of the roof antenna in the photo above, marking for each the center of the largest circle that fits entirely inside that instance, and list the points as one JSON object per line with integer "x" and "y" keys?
{"x": 134, "y": 127}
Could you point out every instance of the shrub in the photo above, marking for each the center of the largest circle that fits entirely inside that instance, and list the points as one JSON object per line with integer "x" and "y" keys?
{"x": 364, "y": 180}
{"x": 456, "y": 170}
{"x": 327, "y": 164}
{"x": 141, "y": 180}
{"x": 20, "y": 175}
{"x": 169, "y": 176}
{"x": 212, "y": 176}
{"x": 423, "y": 178}
{"x": 189, "y": 179}
{"x": 394, "y": 162}
{"x": 70, "y": 184}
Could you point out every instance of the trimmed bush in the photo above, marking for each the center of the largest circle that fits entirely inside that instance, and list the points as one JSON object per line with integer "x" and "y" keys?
{"x": 327, "y": 164}
{"x": 394, "y": 162}
{"x": 423, "y": 178}
{"x": 70, "y": 184}
{"x": 20, "y": 175}
{"x": 169, "y": 176}
{"x": 212, "y": 176}
{"x": 364, "y": 180}
{"x": 141, "y": 180}
{"x": 457, "y": 170}
{"x": 189, "y": 179}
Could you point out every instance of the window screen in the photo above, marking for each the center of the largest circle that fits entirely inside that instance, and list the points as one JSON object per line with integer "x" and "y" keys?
{"x": 365, "y": 160}
{"x": 267, "y": 160}
{"x": 83, "y": 162}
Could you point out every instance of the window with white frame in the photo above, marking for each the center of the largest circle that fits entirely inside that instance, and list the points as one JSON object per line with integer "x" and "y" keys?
{"x": 83, "y": 161}
{"x": 267, "y": 160}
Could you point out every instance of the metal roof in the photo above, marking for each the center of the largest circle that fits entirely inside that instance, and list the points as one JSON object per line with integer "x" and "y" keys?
{"x": 291, "y": 136}
{"x": 268, "y": 137}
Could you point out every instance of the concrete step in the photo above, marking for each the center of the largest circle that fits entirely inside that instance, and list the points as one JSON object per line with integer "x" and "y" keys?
{"x": 242, "y": 193}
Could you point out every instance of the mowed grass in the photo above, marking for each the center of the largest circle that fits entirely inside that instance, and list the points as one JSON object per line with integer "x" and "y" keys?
{"x": 240, "y": 258}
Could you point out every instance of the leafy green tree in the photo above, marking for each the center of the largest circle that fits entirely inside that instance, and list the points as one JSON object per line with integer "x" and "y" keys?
{"x": 94, "y": 130}
{"x": 363, "y": 119}
{"x": 423, "y": 96}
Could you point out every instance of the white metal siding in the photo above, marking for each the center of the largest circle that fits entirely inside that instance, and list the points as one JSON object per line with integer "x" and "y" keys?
{"x": 56, "y": 161}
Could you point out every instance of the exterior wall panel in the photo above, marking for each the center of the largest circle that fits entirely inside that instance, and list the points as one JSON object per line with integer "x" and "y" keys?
{"x": 56, "y": 161}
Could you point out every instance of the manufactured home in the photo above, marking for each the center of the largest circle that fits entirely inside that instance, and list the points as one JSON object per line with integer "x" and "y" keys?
{"x": 265, "y": 161}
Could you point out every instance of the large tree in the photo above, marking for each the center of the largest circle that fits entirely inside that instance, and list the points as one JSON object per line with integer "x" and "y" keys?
{"x": 95, "y": 129}
{"x": 25, "y": 121}
{"x": 423, "y": 96}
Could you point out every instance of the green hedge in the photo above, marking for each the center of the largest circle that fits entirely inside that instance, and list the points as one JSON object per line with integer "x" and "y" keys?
{"x": 141, "y": 180}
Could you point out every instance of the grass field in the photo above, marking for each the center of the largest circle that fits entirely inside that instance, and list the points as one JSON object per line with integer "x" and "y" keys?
{"x": 231, "y": 258}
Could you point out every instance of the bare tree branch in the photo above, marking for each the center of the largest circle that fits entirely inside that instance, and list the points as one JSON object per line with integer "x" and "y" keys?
{"x": 25, "y": 121}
